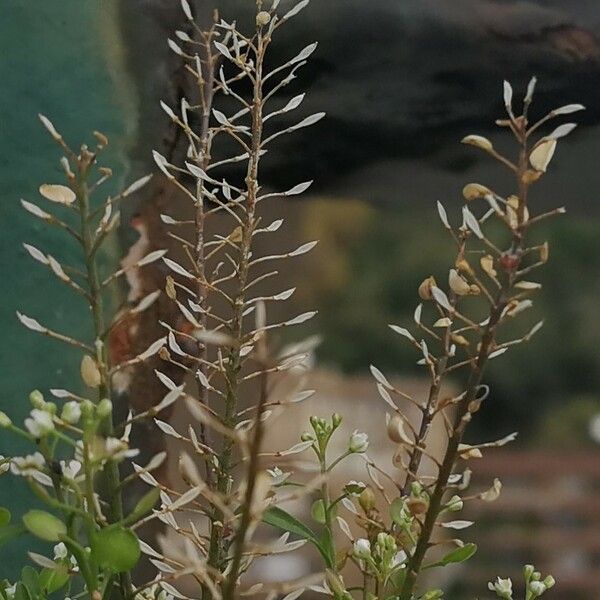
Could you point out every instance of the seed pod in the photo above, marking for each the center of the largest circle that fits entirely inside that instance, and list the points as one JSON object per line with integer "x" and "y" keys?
{"x": 395, "y": 430}
{"x": 544, "y": 252}
{"x": 542, "y": 154}
{"x": 367, "y": 499}
{"x": 457, "y": 284}
{"x": 459, "y": 340}
{"x": 417, "y": 506}
{"x": 464, "y": 266}
{"x": 170, "y": 288}
{"x": 425, "y": 288}
{"x": 478, "y": 141}
{"x": 487, "y": 264}
{"x": 90, "y": 372}
{"x": 472, "y": 191}
{"x": 263, "y": 18}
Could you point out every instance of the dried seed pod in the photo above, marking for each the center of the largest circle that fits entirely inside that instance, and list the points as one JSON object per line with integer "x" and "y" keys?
{"x": 487, "y": 264}
{"x": 263, "y": 18}
{"x": 425, "y": 288}
{"x": 417, "y": 506}
{"x": 457, "y": 284}
{"x": 542, "y": 154}
{"x": 90, "y": 374}
{"x": 58, "y": 193}
{"x": 472, "y": 191}
{"x": 395, "y": 430}
{"x": 479, "y": 141}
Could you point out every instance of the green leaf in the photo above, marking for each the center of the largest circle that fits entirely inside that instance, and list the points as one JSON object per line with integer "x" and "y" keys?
{"x": 44, "y": 525}
{"x": 116, "y": 548}
{"x": 52, "y": 580}
{"x": 144, "y": 506}
{"x": 456, "y": 556}
{"x": 4, "y": 516}
{"x": 279, "y": 518}
{"x": 21, "y": 592}
{"x": 30, "y": 579}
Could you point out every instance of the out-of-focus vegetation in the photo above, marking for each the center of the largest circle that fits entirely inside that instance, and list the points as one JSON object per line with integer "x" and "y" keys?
{"x": 364, "y": 276}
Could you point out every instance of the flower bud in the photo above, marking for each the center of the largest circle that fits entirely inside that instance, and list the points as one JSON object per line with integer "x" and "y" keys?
{"x": 90, "y": 372}
{"x": 71, "y": 412}
{"x": 336, "y": 420}
{"x": 362, "y": 549}
{"x": 528, "y": 571}
{"x": 537, "y": 588}
{"x": 359, "y": 443}
{"x": 4, "y": 420}
{"x": 104, "y": 408}
{"x": 549, "y": 582}
{"x": 37, "y": 399}
{"x": 307, "y": 437}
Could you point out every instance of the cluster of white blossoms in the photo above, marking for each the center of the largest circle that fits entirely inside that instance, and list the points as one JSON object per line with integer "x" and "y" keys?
{"x": 534, "y": 584}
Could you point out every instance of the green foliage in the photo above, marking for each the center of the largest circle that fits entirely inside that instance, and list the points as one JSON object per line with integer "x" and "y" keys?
{"x": 44, "y": 525}
{"x": 116, "y": 548}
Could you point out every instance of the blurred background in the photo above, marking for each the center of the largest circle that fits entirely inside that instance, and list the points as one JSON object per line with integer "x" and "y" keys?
{"x": 402, "y": 83}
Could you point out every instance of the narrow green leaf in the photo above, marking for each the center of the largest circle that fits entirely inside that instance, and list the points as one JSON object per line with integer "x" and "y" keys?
{"x": 279, "y": 518}
{"x": 456, "y": 556}
{"x": 143, "y": 507}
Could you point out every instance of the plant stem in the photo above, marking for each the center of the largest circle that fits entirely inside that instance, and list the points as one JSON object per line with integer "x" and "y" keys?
{"x": 111, "y": 470}
{"x": 463, "y": 414}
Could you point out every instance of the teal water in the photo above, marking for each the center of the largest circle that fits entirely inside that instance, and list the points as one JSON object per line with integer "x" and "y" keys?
{"x": 55, "y": 60}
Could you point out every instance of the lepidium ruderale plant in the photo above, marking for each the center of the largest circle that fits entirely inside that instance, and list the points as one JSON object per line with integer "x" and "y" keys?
{"x": 221, "y": 336}
{"x": 458, "y": 329}
{"x": 76, "y": 446}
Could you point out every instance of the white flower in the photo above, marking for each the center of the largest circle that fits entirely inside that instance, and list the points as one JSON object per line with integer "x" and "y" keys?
{"x": 60, "y": 551}
{"x": 39, "y": 423}
{"x": 71, "y": 412}
{"x": 502, "y": 587}
{"x": 117, "y": 449}
{"x": 399, "y": 558}
{"x": 278, "y": 475}
{"x": 359, "y": 442}
{"x": 31, "y": 466}
{"x": 27, "y": 465}
{"x": 10, "y": 591}
{"x": 4, "y": 466}
{"x": 537, "y": 588}
{"x": 362, "y": 548}
{"x": 70, "y": 469}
